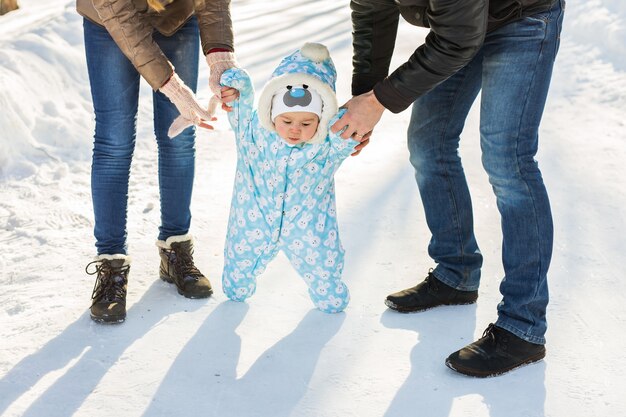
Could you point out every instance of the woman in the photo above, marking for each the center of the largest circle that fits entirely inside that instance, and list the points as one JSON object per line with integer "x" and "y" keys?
{"x": 157, "y": 40}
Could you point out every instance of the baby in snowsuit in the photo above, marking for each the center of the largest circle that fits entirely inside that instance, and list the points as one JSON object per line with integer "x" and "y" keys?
{"x": 284, "y": 193}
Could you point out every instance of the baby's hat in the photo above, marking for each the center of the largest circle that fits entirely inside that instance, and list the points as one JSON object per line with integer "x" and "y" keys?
{"x": 296, "y": 98}
{"x": 308, "y": 72}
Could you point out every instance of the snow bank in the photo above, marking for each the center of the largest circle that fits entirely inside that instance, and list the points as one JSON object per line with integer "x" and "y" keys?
{"x": 44, "y": 89}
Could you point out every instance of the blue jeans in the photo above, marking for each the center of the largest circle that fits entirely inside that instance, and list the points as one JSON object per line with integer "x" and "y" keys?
{"x": 513, "y": 68}
{"x": 115, "y": 92}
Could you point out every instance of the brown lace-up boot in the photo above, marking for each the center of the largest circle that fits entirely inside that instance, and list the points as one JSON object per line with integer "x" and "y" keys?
{"x": 177, "y": 267}
{"x": 109, "y": 291}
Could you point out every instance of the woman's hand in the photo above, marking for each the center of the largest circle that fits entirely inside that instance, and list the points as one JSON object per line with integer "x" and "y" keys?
{"x": 191, "y": 112}
{"x": 219, "y": 62}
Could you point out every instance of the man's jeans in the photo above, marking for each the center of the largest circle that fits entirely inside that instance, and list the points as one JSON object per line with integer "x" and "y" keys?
{"x": 513, "y": 69}
{"x": 115, "y": 92}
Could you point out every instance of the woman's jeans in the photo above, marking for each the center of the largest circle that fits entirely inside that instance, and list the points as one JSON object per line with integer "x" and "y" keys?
{"x": 513, "y": 68}
{"x": 115, "y": 92}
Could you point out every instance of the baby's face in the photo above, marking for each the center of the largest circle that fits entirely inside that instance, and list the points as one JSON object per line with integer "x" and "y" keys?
{"x": 296, "y": 127}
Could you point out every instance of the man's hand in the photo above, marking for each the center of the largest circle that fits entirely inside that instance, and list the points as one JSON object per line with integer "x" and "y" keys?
{"x": 363, "y": 114}
{"x": 365, "y": 140}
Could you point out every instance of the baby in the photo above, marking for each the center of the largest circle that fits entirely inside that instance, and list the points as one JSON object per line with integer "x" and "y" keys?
{"x": 284, "y": 193}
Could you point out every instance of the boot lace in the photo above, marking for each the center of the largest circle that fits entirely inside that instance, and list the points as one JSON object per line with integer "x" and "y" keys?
{"x": 105, "y": 287}
{"x": 432, "y": 282}
{"x": 494, "y": 338}
{"x": 489, "y": 332}
{"x": 183, "y": 262}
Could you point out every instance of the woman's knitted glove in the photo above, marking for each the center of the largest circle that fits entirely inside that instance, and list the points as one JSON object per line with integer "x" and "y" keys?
{"x": 191, "y": 112}
{"x": 218, "y": 63}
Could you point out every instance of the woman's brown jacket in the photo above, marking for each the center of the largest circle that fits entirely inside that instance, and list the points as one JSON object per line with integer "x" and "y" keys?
{"x": 131, "y": 25}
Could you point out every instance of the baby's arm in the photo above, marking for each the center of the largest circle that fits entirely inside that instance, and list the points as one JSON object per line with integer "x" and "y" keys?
{"x": 240, "y": 116}
{"x": 340, "y": 148}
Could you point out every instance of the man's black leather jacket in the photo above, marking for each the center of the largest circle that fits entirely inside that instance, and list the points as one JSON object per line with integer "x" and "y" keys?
{"x": 457, "y": 31}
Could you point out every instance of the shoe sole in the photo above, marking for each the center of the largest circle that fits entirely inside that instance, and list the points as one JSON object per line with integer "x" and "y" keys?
{"x": 108, "y": 320}
{"x": 406, "y": 310}
{"x": 193, "y": 297}
{"x": 477, "y": 374}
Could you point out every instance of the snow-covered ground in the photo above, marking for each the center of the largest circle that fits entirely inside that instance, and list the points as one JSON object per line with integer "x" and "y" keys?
{"x": 179, "y": 357}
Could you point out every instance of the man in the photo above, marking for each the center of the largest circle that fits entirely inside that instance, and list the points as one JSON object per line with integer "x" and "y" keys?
{"x": 506, "y": 48}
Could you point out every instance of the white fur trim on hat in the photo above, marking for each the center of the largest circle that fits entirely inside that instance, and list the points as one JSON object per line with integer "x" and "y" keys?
{"x": 329, "y": 100}
{"x": 167, "y": 244}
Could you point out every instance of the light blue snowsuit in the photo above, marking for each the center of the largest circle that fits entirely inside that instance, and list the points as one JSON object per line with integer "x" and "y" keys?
{"x": 283, "y": 199}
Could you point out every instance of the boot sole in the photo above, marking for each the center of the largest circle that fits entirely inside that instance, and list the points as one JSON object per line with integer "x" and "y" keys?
{"x": 108, "y": 320}
{"x": 488, "y": 374}
{"x": 191, "y": 296}
{"x": 405, "y": 310}
{"x": 195, "y": 296}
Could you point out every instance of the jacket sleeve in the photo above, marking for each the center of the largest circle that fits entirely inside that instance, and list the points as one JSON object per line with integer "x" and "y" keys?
{"x": 457, "y": 31}
{"x": 374, "y": 29}
{"x": 133, "y": 34}
{"x": 215, "y": 22}
{"x": 241, "y": 115}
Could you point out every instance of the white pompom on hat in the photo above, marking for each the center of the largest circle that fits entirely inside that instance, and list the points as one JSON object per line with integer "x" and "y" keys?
{"x": 312, "y": 66}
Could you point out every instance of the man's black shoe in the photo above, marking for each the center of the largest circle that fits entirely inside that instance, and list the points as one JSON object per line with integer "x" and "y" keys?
{"x": 497, "y": 352}
{"x": 177, "y": 267}
{"x": 109, "y": 291}
{"x": 428, "y": 294}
